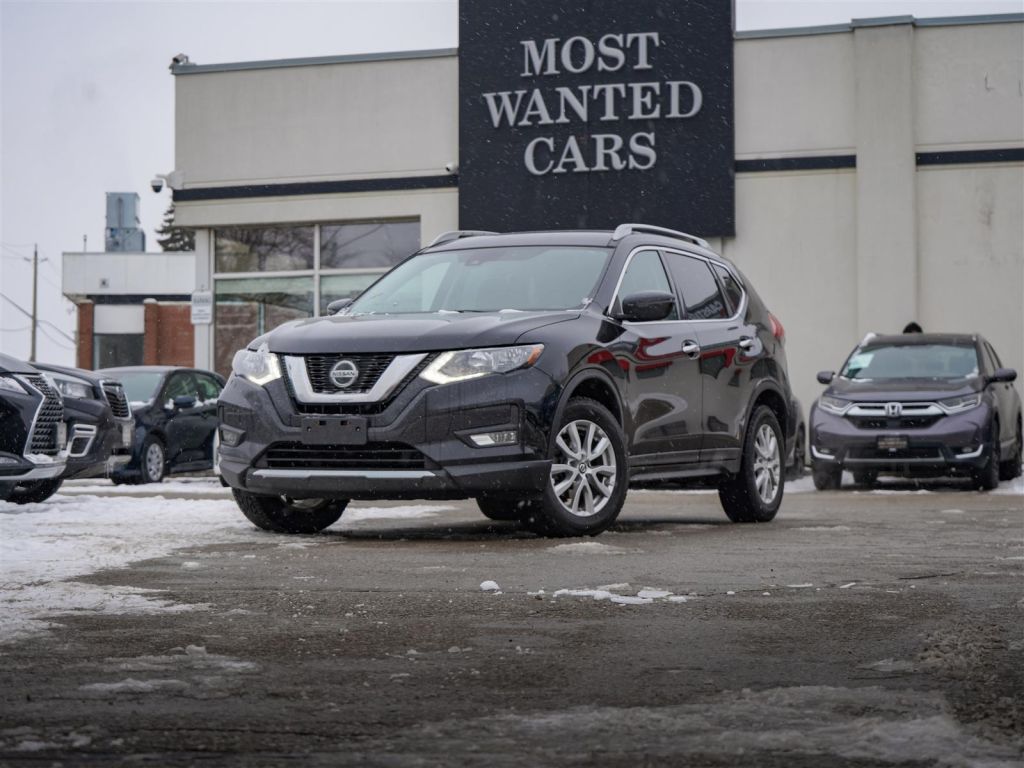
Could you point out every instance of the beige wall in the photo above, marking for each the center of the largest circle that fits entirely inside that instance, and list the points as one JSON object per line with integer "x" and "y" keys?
{"x": 834, "y": 253}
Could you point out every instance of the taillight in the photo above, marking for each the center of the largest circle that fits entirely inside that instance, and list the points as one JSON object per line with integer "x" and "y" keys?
{"x": 777, "y": 330}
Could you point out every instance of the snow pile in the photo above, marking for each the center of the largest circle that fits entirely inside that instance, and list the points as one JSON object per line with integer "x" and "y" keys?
{"x": 355, "y": 515}
{"x": 206, "y": 487}
{"x": 490, "y": 586}
{"x": 611, "y": 593}
{"x": 191, "y": 671}
{"x": 589, "y": 548}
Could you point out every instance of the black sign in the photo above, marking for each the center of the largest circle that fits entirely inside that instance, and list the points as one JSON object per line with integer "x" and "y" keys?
{"x": 589, "y": 114}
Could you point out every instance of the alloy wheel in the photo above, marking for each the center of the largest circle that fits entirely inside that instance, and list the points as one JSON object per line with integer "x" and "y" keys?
{"x": 584, "y": 471}
{"x": 767, "y": 463}
{"x": 155, "y": 461}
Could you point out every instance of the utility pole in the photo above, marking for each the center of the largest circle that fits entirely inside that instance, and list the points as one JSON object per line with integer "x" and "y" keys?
{"x": 35, "y": 287}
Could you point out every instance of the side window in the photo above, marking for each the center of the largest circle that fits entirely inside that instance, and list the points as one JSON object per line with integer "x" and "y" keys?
{"x": 208, "y": 388}
{"x": 645, "y": 273}
{"x": 179, "y": 384}
{"x": 733, "y": 291}
{"x": 698, "y": 287}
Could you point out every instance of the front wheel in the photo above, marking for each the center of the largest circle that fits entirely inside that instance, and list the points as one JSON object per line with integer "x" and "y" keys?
{"x": 987, "y": 478}
{"x": 153, "y": 461}
{"x": 754, "y": 494}
{"x": 1010, "y": 468}
{"x": 589, "y": 474}
{"x": 826, "y": 477}
{"x": 502, "y": 509}
{"x": 34, "y": 491}
{"x": 281, "y": 514}
{"x": 865, "y": 477}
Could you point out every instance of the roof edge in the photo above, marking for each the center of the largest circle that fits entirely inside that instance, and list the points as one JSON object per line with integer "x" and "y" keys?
{"x": 311, "y": 61}
{"x": 881, "y": 21}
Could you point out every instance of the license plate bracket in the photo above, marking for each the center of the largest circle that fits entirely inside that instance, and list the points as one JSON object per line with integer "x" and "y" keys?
{"x": 893, "y": 443}
{"x": 347, "y": 430}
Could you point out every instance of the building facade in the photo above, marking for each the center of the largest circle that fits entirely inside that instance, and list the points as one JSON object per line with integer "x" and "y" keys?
{"x": 878, "y": 172}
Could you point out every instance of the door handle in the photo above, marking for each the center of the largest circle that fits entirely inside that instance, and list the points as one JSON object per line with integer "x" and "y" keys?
{"x": 746, "y": 342}
{"x": 691, "y": 348}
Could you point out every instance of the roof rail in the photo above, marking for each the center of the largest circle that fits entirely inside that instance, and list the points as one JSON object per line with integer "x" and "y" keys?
{"x": 458, "y": 234}
{"x": 627, "y": 229}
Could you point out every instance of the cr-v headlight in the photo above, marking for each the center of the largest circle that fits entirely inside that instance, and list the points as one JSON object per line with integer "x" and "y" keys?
{"x": 259, "y": 365}
{"x": 466, "y": 364}
{"x": 834, "y": 405}
{"x": 960, "y": 404}
{"x": 72, "y": 387}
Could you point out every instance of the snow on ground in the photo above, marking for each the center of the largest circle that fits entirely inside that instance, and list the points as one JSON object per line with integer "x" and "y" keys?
{"x": 198, "y": 486}
{"x": 43, "y": 547}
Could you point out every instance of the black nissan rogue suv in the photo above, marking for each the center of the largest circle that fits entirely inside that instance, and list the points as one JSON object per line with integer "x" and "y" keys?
{"x": 538, "y": 373}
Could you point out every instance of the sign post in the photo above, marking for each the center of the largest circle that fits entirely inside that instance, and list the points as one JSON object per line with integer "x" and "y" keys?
{"x": 202, "y": 308}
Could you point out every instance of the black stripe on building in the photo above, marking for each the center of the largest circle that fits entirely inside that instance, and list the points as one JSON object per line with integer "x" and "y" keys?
{"x": 818, "y": 163}
{"x": 970, "y": 156}
{"x": 316, "y": 188}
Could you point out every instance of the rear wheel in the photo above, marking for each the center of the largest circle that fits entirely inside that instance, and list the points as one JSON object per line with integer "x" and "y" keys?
{"x": 589, "y": 474}
{"x": 754, "y": 494}
{"x": 34, "y": 491}
{"x": 281, "y": 514}
{"x": 499, "y": 508}
{"x": 826, "y": 477}
{"x": 1010, "y": 468}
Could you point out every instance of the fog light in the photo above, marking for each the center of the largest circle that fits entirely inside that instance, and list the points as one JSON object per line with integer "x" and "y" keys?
{"x": 488, "y": 439}
{"x": 7, "y": 460}
{"x": 231, "y": 437}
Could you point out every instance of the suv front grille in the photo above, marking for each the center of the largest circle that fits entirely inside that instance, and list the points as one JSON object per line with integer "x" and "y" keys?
{"x": 363, "y": 409}
{"x": 369, "y": 456}
{"x": 905, "y": 422}
{"x": 894, "y": 456}
{"x": 117, "y": 400}
{"x": 318, "y": 368}
{"x": 51, "y": 414}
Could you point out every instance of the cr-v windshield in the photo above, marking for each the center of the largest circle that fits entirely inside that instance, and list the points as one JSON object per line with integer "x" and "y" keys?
{"x": 488, "y": 280}
{"x": 912, "y": 361}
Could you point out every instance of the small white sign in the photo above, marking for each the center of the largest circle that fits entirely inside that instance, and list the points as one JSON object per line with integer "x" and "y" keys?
{"x": 202, "y": 308}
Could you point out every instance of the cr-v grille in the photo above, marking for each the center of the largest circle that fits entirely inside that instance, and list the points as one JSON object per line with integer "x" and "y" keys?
{"x": 369, "y": 456}
{"x": 118, "y": 402}
{"x": 51, "y": 414}
{"x": 318, "y": 368}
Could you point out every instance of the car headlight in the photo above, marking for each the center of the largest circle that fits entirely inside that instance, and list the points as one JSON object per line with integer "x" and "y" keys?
{"x": 11, "y": 385}
{"x": 259, "y": 366}
{"x": 70, "y": 386}
{"x": 960, "y": 404}
{"x": 834, "y": 404}
{"x": 465, "y": 364}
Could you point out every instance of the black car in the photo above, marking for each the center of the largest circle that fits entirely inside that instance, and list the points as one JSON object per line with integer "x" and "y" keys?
{"x": 536, "y": 372}
{"x": 99, "y": 428}
{"x": 33, "y": 435}
{"x": 918, "y": 404}
{"x": 175, "y": 411}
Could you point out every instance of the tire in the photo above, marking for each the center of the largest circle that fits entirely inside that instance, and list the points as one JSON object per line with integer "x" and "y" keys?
{"x": 826, "y": 478}
{"x": 152, "y": 460}
{"x": 865, "y": 477}
{"x": 502, "y": 509}
{"x": 34, "y": 491}
{"x": 987, "y": 478}
{"x": 796, "y": 470}
{"x": 1010, "y": 468}
{"x": 754, "y": 494}
{"x": 589, "y": 474}
{"x": 282, "y": 515}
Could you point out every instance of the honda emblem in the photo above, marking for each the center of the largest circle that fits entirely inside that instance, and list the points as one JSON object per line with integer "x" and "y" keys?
{"x": 893, "y": 410}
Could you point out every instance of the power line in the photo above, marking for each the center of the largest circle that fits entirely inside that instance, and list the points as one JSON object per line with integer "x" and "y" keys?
{"x": 28, "y": 314}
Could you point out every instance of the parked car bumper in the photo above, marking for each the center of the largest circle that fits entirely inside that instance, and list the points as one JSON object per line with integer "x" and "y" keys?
{"x": 98, "y": 442}
{"x": 420, "y": 445}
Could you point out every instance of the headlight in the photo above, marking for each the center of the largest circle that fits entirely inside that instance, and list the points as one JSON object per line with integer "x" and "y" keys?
{"x": 259, "y": 366}
{"x": 959, "y": 404}
{"x": 472, "y": 363}
{"x": 834, "y": 405}
{"x": 71, "y": 387}
{"x": 11, "y": 385}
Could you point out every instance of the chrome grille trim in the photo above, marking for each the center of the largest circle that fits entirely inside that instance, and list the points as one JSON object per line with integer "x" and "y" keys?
{"x": 42, "y": 437}
{"x": 393, "y": 375}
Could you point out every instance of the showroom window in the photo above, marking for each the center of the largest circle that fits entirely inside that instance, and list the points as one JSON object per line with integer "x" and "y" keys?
{"x": 111, "y": 350}
{"x": 267, "y": 275}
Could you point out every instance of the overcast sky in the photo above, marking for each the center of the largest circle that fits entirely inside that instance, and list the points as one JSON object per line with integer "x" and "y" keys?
{"x": 88, "y": 105}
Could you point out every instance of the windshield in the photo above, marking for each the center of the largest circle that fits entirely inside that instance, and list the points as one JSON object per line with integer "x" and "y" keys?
{"x": 488, "y": 280}
{"x": 139, "y": 387}
{"x": 912, "y": 361}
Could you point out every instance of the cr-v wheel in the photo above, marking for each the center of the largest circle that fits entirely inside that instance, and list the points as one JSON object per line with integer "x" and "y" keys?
{"x": 754, "y": 494}
{"x": 1010, "y": 468}
{"x": 987, "y": 478}
{"x": 589, "y": 474}
{"x": 281, "y": 514}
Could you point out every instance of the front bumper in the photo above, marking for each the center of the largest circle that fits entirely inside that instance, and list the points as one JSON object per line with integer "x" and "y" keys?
{"x": 418, "y": 445}
{"x": 98, "y": 442}
{"x": 954, "y": 444}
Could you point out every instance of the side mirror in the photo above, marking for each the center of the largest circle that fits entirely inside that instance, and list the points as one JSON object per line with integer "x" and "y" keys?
{"x": 1003, "y": 375}
{"x": 337, "y": 305}
{"x": 825, "y": 377}
{"x": 647, "y": 306}
{"x": 184, "y": 401}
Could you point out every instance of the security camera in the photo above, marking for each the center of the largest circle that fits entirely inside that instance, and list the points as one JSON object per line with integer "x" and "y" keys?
{"x": 157, "y": 184}
{"x": 452, "y": 168}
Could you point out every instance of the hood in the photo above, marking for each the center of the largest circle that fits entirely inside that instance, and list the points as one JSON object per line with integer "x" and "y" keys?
{"x": 408, "y": 333}
{"x": 78, "y": 373}
{"x": 10, "y": 364}
{"x": 905, "y": 390}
